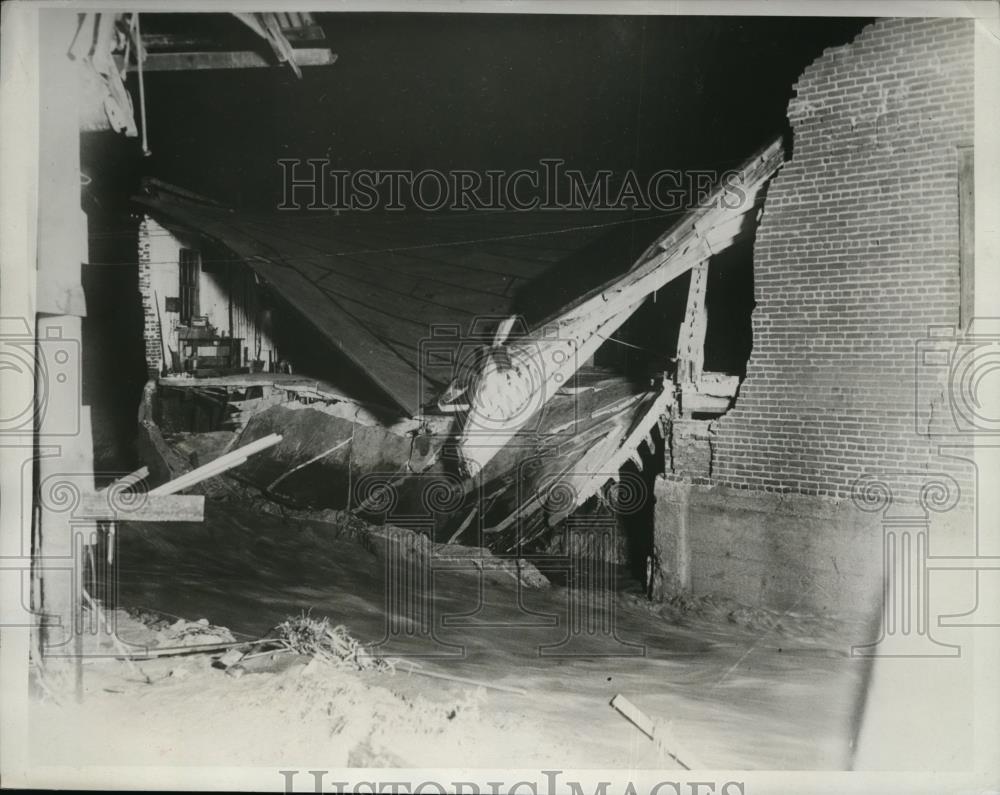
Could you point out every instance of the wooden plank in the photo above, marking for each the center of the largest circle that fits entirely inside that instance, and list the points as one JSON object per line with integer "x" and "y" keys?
{"x": 128, "y": 480}
{"x": 104, "y": 506}
{"x": 246, "y": 59}
{"x": 218, "y": 466}
{"x": 634, "y": 715}
{"x": 658, "y": 732}
{"x": 692, "y": 401}
{"x": 304, "y": 464}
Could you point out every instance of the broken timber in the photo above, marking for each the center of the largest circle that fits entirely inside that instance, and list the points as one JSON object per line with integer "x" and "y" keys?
{"x": 658, "y": 732}
{"x": 691, "y": 342}
{"x": 248, "y": 59}
{"x": 216, "y": 467}
{"x": 524, "y": 376}
{"x": 578, "y": 331}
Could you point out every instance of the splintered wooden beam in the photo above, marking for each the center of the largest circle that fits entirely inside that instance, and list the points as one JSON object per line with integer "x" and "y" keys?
{"x": 691, "y": 340}
{"x": 246, "y": 59}
{"x": 707, "y": 229}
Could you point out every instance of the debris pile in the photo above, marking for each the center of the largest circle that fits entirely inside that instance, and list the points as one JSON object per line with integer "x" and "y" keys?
{"x": 316, "y": 638}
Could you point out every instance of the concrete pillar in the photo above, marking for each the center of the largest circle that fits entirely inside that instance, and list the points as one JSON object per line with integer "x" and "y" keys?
{"x": 64, "y": 436}
{"x": 671, "y": 542}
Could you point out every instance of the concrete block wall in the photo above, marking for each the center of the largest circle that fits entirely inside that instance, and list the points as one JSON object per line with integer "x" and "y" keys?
{"x": 856, "y": 255}
{"x": 782, "y": 551}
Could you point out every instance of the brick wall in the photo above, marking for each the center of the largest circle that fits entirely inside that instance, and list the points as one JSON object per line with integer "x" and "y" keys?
{"x": 151, "y": 322}
{"x": 690, "y": 450}
{"x": 856, "y": 254}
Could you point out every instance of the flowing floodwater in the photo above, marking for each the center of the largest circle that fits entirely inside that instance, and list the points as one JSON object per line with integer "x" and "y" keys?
{"x": 737, "y": 697}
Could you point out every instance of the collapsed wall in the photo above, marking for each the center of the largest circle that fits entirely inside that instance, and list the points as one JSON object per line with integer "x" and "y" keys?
{"x": 857, "y": 253}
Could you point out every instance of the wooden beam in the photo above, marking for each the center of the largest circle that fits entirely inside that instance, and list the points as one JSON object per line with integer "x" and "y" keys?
{"x": 156, "y": 43}
{"x": 218, "y": 466}
{"x": 634, "y": 715}
{"x": 312, "y": 460}
{"x": 100, "y": 506}
{"x": 246, "y": 59}
{"x": 129, "y": 480}
{"x": 693, "y": 401}
{"x": 694, "y": 230}
{"x": 659, "y": 732}
{"x": 691, "y": 339}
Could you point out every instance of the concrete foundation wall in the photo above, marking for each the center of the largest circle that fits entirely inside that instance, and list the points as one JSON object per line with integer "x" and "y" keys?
{"x": 784, "y": 552}
{"x": 806, "y": 554}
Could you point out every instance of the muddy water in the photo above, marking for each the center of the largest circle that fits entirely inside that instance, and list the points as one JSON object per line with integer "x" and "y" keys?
{"x": 737, "y": 698}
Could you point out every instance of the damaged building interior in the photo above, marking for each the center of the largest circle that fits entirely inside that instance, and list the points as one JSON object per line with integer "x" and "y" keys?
{"x": 571, "y": 485}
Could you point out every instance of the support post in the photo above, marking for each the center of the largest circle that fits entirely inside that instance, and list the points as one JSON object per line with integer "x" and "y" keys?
{"x": 691, "y": 340}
